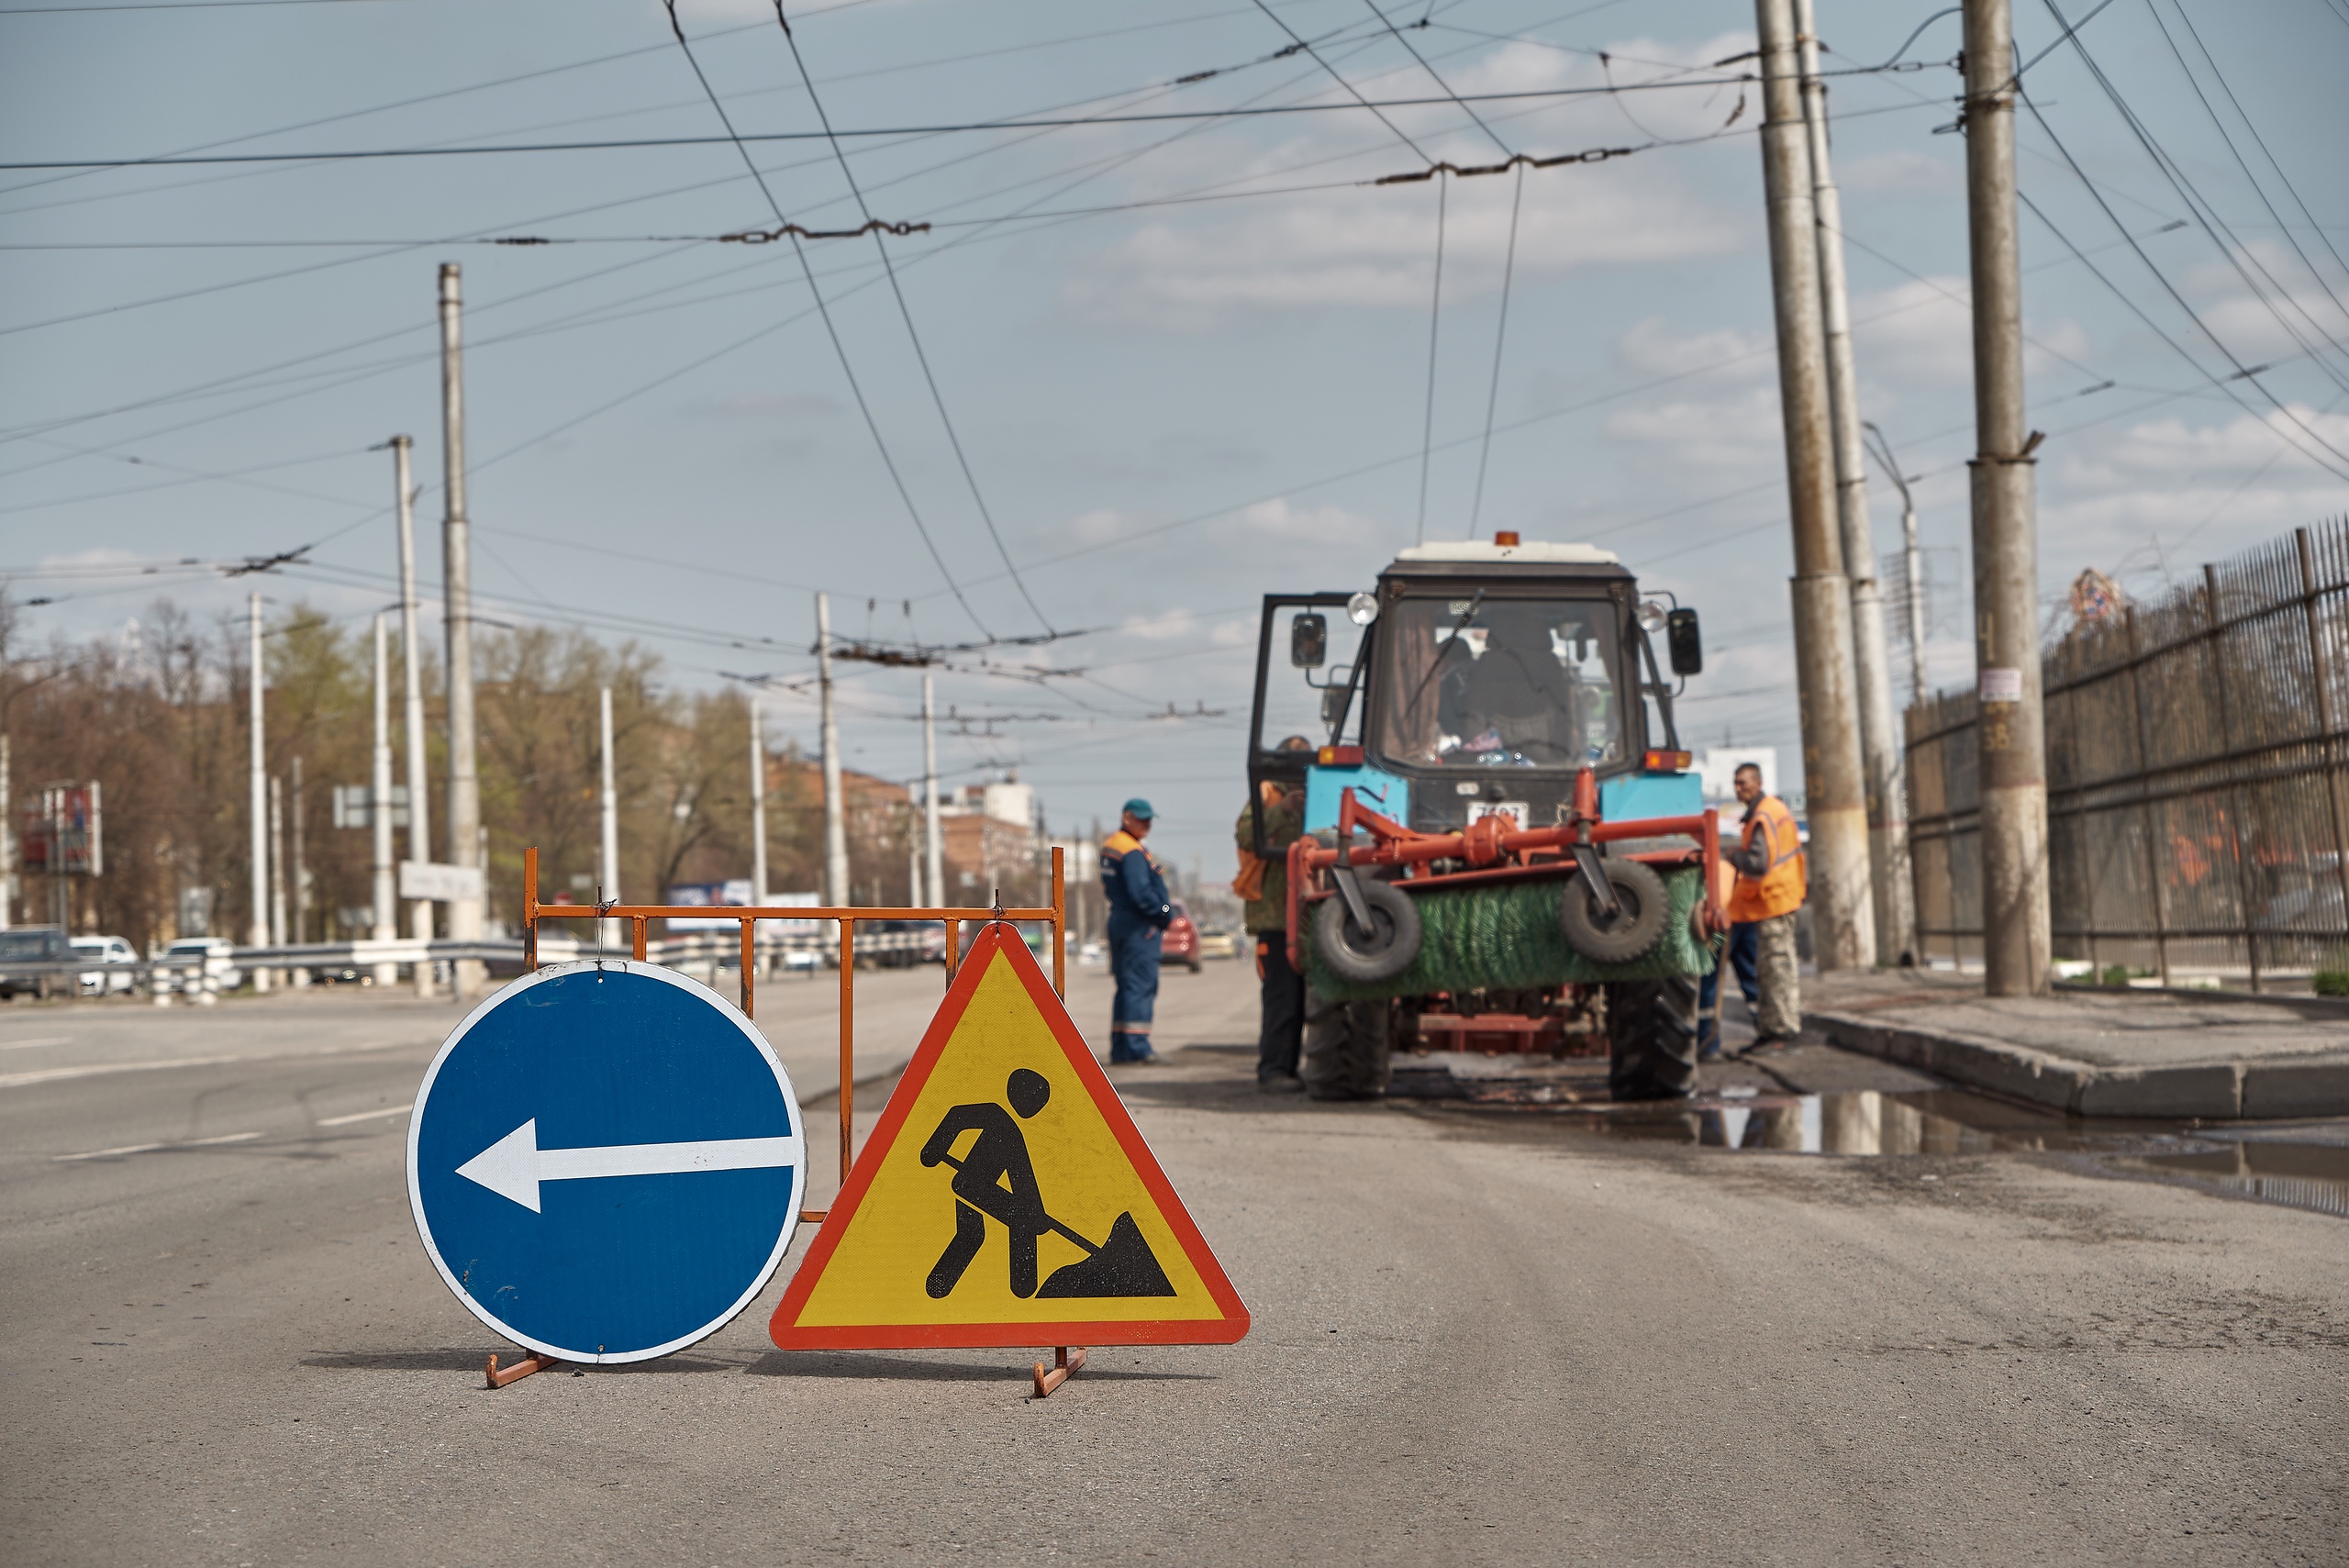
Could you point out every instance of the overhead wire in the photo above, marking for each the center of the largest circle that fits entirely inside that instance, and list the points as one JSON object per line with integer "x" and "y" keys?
{"x": 832, "y": 329}
{"x": 1435, "y": 320}
{"x": 2204, "y": 214}
{"x": 2243, "y": 372}
{"x": 1500, "y": 341}
{"x": 904, "y": 314}
{"x": 2242, "y": 163}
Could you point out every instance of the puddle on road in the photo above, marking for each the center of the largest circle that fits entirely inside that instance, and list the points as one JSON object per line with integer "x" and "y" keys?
{"x": 2301, "y": 1166}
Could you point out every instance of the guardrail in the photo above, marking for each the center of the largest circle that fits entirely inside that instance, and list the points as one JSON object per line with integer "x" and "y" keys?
{"x": 167, "y": 977}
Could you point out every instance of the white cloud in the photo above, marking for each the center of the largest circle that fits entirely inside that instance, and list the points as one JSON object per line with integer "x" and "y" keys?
{"x": 1375, "y": 247}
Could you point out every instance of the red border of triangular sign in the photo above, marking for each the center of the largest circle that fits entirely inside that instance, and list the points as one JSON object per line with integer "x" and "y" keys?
{"x": 1001, "y": 942}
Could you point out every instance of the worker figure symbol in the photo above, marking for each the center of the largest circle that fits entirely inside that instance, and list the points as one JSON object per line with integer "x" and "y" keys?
{"x": 995, "y": 1180}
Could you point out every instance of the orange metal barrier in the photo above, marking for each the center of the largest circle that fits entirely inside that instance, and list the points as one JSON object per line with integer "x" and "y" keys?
{"x": 638, "y": 914}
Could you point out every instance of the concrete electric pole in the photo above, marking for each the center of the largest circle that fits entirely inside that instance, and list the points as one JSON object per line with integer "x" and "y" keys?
{"x": 257, "y": 929}
{"x": 1880, "y": 749}
{"x": 457, "y": 614}
{"x": 301, "y": 858}
{"x": 758, "y": 805}
{"x": 420, "y": 784}
{"x": 608, "y": 860}
{"x": 379, "y": 803}
{"x": 836, "y": 888}
{"x": 2015, "y": 937}
{"x": 277, "y": 861}
{"x": 933, "y": 843}
{"x": 1835, "y": 802}
{"x": 7, "y": 842}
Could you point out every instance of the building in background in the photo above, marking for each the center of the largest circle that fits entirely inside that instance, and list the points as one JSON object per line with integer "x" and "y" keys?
{"x": 992, "y": 841}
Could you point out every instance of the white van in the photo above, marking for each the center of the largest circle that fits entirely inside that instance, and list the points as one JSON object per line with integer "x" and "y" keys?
{"x": 117, "y": 961}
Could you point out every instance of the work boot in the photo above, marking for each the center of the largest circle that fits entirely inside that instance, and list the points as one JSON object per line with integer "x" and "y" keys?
{"x": 1280, "y": 1083}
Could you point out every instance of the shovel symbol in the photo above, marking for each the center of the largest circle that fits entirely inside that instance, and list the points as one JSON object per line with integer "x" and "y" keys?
{"x": 995, "y": 1178}
{"x": 1122, "y": 1265}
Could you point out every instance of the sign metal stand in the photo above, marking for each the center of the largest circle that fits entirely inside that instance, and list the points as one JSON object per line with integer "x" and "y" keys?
{"x": 1066, "y": 1359}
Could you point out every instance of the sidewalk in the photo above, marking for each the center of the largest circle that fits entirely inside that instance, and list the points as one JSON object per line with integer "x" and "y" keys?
{"x": 2097, "y": 1053}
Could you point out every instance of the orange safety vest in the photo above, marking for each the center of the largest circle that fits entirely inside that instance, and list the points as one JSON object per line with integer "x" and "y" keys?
{"x": 1781, "y": 889}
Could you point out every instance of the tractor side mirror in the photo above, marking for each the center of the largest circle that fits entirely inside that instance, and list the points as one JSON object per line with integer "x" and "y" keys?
{"x": 1308, "y": 641}
{"x": 1333, "y": 701}
{"x": 1686, "y": 643}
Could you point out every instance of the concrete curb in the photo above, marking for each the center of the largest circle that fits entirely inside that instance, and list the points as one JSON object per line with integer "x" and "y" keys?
{"x": 2221, "y": 1091}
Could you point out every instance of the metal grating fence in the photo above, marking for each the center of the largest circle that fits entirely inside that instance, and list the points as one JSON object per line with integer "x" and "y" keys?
{"x": 2198, "y": 808}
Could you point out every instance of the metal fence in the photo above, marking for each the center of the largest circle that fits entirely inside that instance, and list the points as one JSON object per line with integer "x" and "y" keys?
{"x": 2195, "y": 748}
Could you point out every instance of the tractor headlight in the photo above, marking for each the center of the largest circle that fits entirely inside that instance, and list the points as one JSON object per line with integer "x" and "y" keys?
{"x": 1363, "y": 609}
{"x": 1650, "y": 617}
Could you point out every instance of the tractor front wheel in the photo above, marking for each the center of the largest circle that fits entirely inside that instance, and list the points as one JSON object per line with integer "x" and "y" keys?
{"x": 1651, "y": 1038}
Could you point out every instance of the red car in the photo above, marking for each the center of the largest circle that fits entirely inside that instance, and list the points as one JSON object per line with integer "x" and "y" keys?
{"x": 1180, "y": 943}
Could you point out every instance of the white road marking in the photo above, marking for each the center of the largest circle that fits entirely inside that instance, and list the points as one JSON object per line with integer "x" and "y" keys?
{"x": 157, "y": 1148}
{"x": 365, "y": 1116}
{"x": 28, "y": 1044}
{"x": 515, "y": 1165}
{"x": 97, "y": 1069}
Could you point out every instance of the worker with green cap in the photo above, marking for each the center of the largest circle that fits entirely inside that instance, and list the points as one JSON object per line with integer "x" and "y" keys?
{"x": 1139, "y": 912}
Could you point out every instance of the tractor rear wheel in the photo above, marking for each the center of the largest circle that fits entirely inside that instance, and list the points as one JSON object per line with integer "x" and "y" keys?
{"x": 1651, "y": 1038}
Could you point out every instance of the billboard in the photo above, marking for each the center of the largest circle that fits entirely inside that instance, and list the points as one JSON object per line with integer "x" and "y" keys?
{"x": 64, "y": 832}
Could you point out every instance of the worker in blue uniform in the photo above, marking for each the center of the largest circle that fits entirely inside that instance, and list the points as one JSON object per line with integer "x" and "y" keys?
{"x": 1139, "y": 912}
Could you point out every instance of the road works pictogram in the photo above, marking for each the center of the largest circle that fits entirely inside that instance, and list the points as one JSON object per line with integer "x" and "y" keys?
{"x": 1005, "y": 1197}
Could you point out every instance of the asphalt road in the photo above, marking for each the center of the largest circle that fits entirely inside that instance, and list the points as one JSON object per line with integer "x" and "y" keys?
{"x": 1478, "y": 1338}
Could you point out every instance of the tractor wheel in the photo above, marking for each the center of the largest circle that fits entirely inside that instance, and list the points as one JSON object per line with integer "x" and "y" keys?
{"x": 1642, "y": 909}
{"x": 1651, "y": 1038}
{"x": 1348, "y": 1047}
{"x": 1385, "y": 950}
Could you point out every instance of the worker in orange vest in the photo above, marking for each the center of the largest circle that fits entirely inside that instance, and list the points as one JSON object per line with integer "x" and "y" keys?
{"x": 1771, "y": 880}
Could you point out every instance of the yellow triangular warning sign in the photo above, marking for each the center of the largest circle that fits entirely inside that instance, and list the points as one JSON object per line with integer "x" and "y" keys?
{"x": 1005, "y": 1197}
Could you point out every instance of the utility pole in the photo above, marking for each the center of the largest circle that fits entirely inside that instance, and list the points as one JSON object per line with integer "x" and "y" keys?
{"x": 257, "y": 929}
{"x": 1833, "y": 781}
{"x": 1880, "y": 749}
{"x": 933, "y": 841}
{"x": 1913, "y": 561}
{"x": 457, "y": 614}
{"x": 837, "y": 890}
{"x": 2015, "y": 936}
{"x": 277, "y": 861}
{"x": 379, "y": 803}
{"x": 607, "y": 862}
{"x": 419, "y": 785}
{"x": 758, "y": 805}
{"x": 7, "y": 841}
{"x": 301, "y": 860}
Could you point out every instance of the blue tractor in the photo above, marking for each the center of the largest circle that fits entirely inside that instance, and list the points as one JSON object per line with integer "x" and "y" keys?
{"x": 1501, "y": 834}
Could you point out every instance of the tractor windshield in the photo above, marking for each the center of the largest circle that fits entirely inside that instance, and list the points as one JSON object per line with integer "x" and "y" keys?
{"x": 1494, "y": 683}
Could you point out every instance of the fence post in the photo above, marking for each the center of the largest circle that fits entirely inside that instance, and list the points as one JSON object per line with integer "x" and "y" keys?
{"x": 2144, "y": 795}
{"x": 2325, "y": 718}
{"x": 2226, "y": 750}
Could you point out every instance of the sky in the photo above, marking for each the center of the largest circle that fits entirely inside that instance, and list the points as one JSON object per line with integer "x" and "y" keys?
{"x": 1135, "y": 371}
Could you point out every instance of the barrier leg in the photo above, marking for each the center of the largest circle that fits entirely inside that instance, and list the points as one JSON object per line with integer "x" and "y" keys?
{"x": 520, "y": 1369}
{"x": 1067, "y": 1362}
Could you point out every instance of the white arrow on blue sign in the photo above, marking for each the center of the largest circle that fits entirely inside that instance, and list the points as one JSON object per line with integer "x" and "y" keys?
{"x": 651, "y": 1184}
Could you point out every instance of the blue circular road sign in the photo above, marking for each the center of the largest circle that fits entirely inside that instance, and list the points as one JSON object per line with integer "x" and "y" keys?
{"x": 605, "y": 1161}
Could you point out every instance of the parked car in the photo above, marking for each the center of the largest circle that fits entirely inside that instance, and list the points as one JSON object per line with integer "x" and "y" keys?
{"x": 118, "y": 962}
{"x": 1216, "y": 942}
{"x": 33, "y": 944}
{"x": 216, "y": 955}
{"x": 1181, "y": 943}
